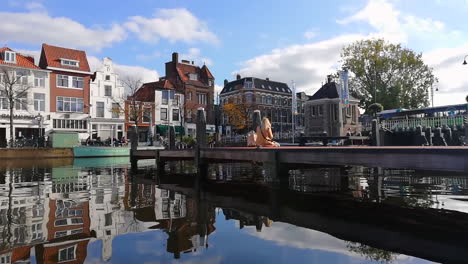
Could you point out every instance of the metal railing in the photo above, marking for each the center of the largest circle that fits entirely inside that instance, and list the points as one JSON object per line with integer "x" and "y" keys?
{"x": 450, "y": 121}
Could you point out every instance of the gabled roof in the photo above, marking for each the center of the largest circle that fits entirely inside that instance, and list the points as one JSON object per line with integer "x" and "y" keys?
{"x": 22, "y": 61}
{"x": 259, "y": 84}
{"x": 328, "y": 91}
{"x": 51, "y": 55}
{"x": 146, "y": 92}
{"x": 206, "y": 72}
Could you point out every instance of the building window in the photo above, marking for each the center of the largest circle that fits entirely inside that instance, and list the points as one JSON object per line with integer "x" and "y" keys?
{"x": 62, "y": 80}
{"x": 69, "y": 104}
{"x": 21, "y": 102}
{"x": 248, "y": 98}
{"x": 100, "y": 109}
{"x": 108, "y": 219}
{"x": 193, "y": 76}
{"x": 210, "y": 82}
{"x": 77, "y": 82}
{"x": 201, "y": 98}
{"x": 163, "y": 113}
{"x": 22, "y": 78}
{"x": 115, "y": 110}
{"x": 176, "y": 100}
{"x": 107, "y": 77}
{"x": 10, "y": 56}
{"x": 248, "y": 85}
{"x": 39, "y": 102}
{"x": 107, "y": 90}
{"x": 61, "y": 222}
{"x": 39, "y": 82}
{"x": 320, "y": 110}
{"x": 189, "y": 96}
{"x": 68, "y": 123}
{"x": 147, "y": 115}
{"x": 3, "y": 100}
{"x": 269, "y": 99}
{"x": 263, "y": 99}
{"x": 67, "y": 62}
{"x": 175, "y": 114}
{"x": 67, "y": 254}
{"x": 165, "y": 97}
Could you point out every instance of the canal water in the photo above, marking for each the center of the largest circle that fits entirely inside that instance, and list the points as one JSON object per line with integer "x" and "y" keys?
{"x": 101, "y": 211}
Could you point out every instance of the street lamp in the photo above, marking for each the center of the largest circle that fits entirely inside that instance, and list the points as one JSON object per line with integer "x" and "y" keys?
{"x": 464, "y": 60}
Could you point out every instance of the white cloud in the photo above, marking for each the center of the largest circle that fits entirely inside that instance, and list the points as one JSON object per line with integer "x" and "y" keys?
{"x": 149, "y": 56}
{"x": 194, "y": 54}
{"x": 306, "y": 64}
{"x": 172, "y": 24}
{"x": 36, "y": 7}
{"x": 310, "y": 34}
{"x": 309, "y": 64}
{"x": 37, "y": 28}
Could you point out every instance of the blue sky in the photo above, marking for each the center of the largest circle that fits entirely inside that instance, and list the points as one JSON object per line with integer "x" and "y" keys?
{"x": 283, "y": 40}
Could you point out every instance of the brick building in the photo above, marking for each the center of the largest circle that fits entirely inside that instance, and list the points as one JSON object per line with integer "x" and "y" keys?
{"x": 69, "y": 88}
{"x": 196, "y": 84}
{"x": 272, "y": 98}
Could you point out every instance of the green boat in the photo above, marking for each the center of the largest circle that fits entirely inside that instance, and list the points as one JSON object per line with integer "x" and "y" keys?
{"x": 88, "y": 152}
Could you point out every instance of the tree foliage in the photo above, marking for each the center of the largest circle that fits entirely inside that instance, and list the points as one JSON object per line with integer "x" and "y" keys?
{"x": 238, "y": 115}
{"x": 371, "y": 253}
{"x": 375, "y": 108}
{"x": 389, "y": 74}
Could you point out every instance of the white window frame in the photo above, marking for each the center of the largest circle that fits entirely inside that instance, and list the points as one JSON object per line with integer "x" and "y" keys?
{"x": 9, "y": 56}
{"x": 98, "y": 108}
{"x": 67, "y": 248}
{"x": 70, "y": 81}
{"x": 40, "y": 103}
{"x": 39, "y": 82}
{"x": 69, "y": 62}
{"x": 161, "y": 114}
{"x": 70, "y": 101}
{"x": 105, "y": 90}
{"x": 202, "y": 98}
{"x": 61, "y": 76}
{"x": 193, "y": 76}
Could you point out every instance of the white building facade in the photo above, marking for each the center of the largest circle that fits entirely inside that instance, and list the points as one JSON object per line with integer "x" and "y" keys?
{"x": 31, "y": 113}
{"x": 168, "y": 110}
{"x": 107, "y": 102}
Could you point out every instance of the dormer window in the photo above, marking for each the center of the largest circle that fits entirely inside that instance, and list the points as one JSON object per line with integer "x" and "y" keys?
{"x": 193, "y": 76}
{"x": 210, "y": 82}
{"x": 68, "y": 62}
{"x": 9, "y": 56}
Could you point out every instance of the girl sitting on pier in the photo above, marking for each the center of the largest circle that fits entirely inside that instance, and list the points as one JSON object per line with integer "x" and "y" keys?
{"x": 265, "y": 135}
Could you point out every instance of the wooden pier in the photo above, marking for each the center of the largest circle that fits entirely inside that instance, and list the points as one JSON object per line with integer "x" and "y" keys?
{"x": 423, "y": 158}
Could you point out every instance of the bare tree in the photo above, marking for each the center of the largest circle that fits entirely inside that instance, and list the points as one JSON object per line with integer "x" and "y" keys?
{"x": 14, "y": 88}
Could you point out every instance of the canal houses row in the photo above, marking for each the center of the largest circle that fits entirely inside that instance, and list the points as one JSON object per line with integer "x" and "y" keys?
{"x": 60, "y": 93}
{"x": 55, "y": 94}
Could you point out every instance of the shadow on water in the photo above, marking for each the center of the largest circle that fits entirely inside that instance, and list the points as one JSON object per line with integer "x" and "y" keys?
{"x": 99, "y": 211}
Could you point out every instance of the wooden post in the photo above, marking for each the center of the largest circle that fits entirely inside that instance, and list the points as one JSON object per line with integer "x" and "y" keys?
{"x": 429, "y": 136}
{"x": 171, "y": 137}
{"x": 201, "y": 127}
{"x": 133, "y": 147}
{"x": 375, "y": 133}
{"x": 256, "y": 120}
{"x": 201, "y": 143}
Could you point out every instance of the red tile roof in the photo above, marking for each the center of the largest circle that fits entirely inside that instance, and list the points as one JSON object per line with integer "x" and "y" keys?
{"x": 146, "y": 91}
{"x": 21, "y": 60}
{"x": 51, "y": 55}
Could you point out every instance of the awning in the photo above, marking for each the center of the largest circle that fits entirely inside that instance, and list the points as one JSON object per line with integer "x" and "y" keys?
{"x": 162, "y": 129}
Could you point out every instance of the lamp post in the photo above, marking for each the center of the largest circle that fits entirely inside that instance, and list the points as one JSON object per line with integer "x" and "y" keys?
{"x": 432, "y": 91}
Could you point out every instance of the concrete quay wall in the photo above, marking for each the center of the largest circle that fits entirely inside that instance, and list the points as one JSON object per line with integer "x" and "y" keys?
{"x": 35, "y": 153}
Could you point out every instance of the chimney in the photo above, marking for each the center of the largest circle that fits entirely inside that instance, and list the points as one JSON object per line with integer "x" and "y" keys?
{"x": 192, "y": 63}
{"x": 238, "y": 77}
{"x": 268, "y": 79}
{"x": 329, "y": 78}
{"x": 225, "y": 82}
{"x": 175, "y": 57}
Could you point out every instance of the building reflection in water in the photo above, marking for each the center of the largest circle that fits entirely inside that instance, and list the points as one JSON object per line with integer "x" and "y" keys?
{"x": 54, "y": 213}
{"x": 57, "y": 212}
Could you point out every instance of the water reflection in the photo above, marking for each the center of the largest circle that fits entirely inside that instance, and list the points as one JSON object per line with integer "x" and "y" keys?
{"x": 77, "y": 213}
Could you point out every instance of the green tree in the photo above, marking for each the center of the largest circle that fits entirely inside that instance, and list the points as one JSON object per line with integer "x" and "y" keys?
{"x": 389, "y": 74}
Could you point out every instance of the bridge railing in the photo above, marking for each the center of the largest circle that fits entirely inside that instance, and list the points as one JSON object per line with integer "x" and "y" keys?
{"x": 450, "y": 121}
